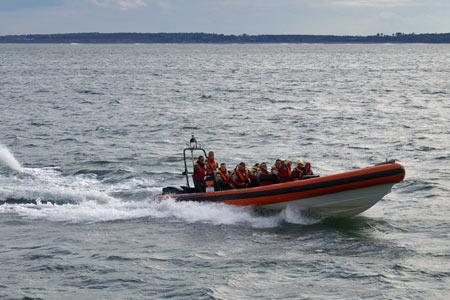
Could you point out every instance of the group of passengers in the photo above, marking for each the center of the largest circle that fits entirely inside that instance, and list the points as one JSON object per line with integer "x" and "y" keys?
{"x": 207, "y": 173}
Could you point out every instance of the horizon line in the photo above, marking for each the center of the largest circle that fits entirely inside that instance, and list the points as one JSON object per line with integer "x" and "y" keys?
{"x": 230, "y": 34}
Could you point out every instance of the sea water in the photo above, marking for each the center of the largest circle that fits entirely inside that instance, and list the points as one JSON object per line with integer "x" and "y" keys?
{"x": 90, "y": 134}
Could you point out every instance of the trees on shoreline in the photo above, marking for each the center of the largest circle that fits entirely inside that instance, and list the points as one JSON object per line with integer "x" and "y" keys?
{"x": 210, "y": 38}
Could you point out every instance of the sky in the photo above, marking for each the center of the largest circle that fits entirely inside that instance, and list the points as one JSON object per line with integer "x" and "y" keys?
{"x": 335, "y": 17}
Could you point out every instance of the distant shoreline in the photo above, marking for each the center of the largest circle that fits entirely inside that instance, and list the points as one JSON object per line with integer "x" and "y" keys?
{"x": 211, "y": 38}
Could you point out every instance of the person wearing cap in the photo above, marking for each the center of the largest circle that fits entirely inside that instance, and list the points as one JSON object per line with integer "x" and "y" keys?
{"x": 223, "y": 178}
{"x": 264, "y": 177}
{"x": 298, "y": 171}
{"x": 242, "y": 178}
{"x": 255, "y": 169}
{"x": 199, "y": 174}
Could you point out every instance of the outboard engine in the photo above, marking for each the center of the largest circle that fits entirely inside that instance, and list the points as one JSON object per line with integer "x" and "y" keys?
{"x": 172, "y": 190}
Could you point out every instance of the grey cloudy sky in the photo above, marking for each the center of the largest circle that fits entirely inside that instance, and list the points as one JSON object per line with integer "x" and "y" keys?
{"x": 337, "y": 17}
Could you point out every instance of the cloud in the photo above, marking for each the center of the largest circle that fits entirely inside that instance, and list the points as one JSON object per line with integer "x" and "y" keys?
{"x": 127, "y": 4}
{"x": 18, "y": 5}
{"x": 338, "y": 17}
{"x": 372, "y": 3}
{"x": 121, "y": 4}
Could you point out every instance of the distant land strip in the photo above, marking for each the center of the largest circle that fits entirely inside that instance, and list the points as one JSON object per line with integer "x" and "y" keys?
{"x": 211, "y": 38}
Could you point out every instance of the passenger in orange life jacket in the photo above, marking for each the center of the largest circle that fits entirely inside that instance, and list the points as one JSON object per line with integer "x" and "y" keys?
{"x": 199, "y": 174}
{"x": 255, "y": 169}
{"x": 289, "y": 165}
{"x": 275, "y": 170}
{"x": 299, "y": 170}
{"x": 308, "y": 170}
{"x": 211, "y": 164}
{"x": 284, "y": 172}
{"x": 242, "y": 178}
{"x": 264, "y": 177}
{"x": 223, "y": 178}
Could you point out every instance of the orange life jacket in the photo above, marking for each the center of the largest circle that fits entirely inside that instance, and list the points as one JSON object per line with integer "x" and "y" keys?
{"x": 211, "y": 165}
{"x": 298, "y": 172}
{"x": 285, "y": 174}
{"x": 242, "y": 177}
{"x": 308, "y": 170}
{"x": 225, "y": 176}
{"x": 242, "y": 180}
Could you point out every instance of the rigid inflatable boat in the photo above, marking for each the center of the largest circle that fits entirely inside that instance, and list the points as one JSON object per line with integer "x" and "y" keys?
{"x": 342, "y": 195}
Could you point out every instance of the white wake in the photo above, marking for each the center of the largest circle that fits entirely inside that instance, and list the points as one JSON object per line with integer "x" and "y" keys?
{"x": 47, "y": 194}
{"x": 8, "y": 159}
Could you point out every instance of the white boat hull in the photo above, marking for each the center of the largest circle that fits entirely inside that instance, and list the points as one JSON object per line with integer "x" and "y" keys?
{"x": 341, "y": 204}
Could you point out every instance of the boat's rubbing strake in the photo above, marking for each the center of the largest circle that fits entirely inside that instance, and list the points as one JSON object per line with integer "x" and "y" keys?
{"x": 316, "y": 185}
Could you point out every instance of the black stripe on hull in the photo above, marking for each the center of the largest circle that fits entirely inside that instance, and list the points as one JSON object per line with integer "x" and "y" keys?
{"x": 293, "y": 189}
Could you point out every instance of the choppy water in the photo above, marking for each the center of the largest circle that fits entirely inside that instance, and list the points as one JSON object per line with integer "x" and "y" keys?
{"x": 91, "y": 133}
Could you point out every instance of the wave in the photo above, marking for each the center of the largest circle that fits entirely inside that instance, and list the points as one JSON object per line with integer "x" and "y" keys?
{"x": 50, "y": 185}
{"x": 91, "y": 211}
{"x": 47, "y": 194}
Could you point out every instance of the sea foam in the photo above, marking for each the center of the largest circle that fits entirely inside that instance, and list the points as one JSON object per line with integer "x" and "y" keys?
{"x": 7, "y": 158}
{"x": 45, "y": 193}
{"x": 93, "y": 211}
